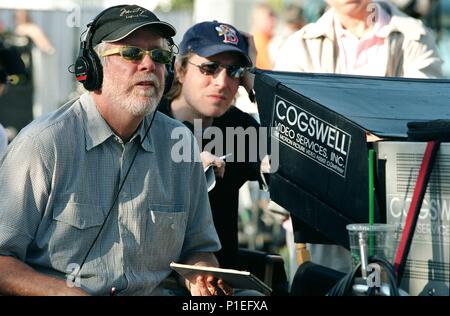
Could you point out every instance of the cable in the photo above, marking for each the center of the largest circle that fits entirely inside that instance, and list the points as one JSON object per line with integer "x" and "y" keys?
{"x": 116, "y": 196}
{"x": 344, "y": 287}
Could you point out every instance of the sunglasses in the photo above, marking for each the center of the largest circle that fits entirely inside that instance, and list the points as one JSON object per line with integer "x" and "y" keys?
{"x": 132, "y": 53}
{"x": 212, "y": 68}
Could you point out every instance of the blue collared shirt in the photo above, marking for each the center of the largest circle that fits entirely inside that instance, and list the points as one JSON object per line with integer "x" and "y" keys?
{"x": 58, "y": 180}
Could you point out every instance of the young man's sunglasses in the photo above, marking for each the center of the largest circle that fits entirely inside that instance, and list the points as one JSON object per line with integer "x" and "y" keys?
{"x": 211, "y": 68}
{"x": 132, "y": 53}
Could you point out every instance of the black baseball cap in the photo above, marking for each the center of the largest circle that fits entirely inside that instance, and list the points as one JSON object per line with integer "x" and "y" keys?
{"x": 210, "y": 38}
{"x": 118, "y": 22}
{"x": 11, "y": 65}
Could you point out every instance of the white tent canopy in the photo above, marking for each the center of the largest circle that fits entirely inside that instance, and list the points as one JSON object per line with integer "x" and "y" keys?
{"x": 68, "y": 5}
{"x": 63, "y": 5}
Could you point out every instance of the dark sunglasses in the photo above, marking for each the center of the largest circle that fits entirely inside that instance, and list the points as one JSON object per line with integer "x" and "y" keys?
{"x": 211, "y": 68}
{"x": 132, "y": 53}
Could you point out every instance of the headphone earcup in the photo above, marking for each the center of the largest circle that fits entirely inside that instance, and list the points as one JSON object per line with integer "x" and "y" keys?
{"x": 95, "y": 72}
{"x": 81, "y": 69}
{"x": 88, "y": 70}
{"x": 170, "y": 75}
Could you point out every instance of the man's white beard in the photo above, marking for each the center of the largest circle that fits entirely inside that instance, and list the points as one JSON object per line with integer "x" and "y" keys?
{"x": 125, "y": 96}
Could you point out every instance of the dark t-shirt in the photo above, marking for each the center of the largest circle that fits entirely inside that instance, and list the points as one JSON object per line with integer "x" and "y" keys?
{"x": 224, "y": 198}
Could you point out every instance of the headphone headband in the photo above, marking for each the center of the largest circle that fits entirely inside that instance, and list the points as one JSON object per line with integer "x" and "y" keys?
{"x": 88, "y": 67}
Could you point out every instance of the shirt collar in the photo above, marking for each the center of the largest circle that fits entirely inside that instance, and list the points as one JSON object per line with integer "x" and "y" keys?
{"x": 97, "y": 131}
{"x": 410, "y": 28}
{"x": 323, "y": 26}
{"x": 381, "y": 28}
{"x": 338, "y": 28}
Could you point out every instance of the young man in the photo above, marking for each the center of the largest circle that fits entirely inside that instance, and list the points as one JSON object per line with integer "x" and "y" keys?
{"x": 90, "y": 190}
{"x": 209, "y": 69}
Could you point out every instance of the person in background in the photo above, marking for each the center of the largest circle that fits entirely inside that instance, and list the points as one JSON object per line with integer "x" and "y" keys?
{"x": 92, "y": 202}
{"x": 11, "y": 69}
{"x": 292, "y": 20}
{"x": 262, "y": 28}
{"x": 44, "y": 62}
{"x": 362, "y": 37}
{"x": 25, "y": 27}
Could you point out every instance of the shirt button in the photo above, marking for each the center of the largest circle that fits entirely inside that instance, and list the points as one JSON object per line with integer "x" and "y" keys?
{"x": 172, "y": 226}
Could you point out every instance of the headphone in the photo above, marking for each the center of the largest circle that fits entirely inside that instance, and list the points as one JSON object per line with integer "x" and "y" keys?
{"x": 88, "y": 68}
{"x": 170, "y": 68}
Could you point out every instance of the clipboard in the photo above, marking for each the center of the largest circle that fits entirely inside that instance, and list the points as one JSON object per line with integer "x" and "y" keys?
{"x": 234, "y": 278}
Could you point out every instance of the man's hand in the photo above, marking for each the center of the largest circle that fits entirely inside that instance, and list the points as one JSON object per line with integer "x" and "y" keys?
{"x": 265, "y": 164}
{"x": 208, "y": 286}
{"x": 205, "y": 286}
{"x": 249, "y": 79}
{"x": 210, "y": 159}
